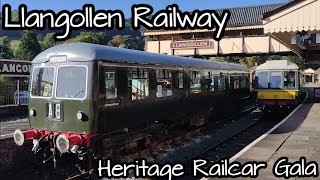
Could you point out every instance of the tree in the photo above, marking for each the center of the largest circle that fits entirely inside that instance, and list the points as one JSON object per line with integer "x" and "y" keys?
{"x": 29, "y": 47}
{"x": 127, "y": 41}
{"x": 296, "y": 60}
{"x": 5, "y": 50}
{"x": 48, "y": 41}
{"x": 90, "y": 37}
{"x": 116, "y": 41}
{"x": 15, "y": 16}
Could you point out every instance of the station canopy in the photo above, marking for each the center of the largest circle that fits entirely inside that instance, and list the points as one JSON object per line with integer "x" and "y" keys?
{"x": 297, "y": 26}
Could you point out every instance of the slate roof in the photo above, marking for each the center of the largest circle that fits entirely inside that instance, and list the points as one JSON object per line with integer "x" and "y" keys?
{"x": 243, "y": 16}
{"x": 249, "y": 15}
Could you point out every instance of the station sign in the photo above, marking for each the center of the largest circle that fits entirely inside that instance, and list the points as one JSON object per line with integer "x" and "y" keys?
{"x": 14, "y": 68}
{"x": 190, "y": 44}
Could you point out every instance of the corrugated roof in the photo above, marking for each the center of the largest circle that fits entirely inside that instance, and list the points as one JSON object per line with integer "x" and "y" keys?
{"x": 242, "y": 16}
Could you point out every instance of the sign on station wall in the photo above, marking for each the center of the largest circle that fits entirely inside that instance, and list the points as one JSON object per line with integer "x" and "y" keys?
{"x": 190, "y": 44}
{"x": 14, "y": 67}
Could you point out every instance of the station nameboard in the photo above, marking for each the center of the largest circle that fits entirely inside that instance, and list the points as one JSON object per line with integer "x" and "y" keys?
{"x": 14, "y": 67}
{"x": 190, "y": 44}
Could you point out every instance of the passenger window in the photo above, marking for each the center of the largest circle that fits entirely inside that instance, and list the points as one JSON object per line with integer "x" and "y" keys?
{"x": 195, "y": 79}
{"x": 221, "y": 83}
{"x": 289, "y": 80}
{"x": 209, "y": 82}
{"x": 164, "y": 83}
{"x": 243, "y": 81}
{"x": 138, "y": 83}
{"x": 180, "y": 80}
{"x": 111, "y": 89}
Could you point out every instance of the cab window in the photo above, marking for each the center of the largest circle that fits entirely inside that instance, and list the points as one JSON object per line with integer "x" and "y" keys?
{"x": 71, "y": 82}
{"x": 42, "y": 81}
{"x": 289, "y": 80}
{"x": 276, "y": 80}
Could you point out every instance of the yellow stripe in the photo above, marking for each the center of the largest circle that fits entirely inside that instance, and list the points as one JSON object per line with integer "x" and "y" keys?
{"x": 277, "y": 94}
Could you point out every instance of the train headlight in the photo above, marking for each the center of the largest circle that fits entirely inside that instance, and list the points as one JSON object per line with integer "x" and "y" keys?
{"x": 62, "y": 143}
{"x": 80, "y": 115}
{"x": 32, "y": 112}
{"x": 18, "y": 137}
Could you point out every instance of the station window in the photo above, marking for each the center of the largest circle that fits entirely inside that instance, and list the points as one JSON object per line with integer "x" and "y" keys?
{"x": 195, "y": 79}
{"x": 164, "y": 83}
{"x": 111, "y": 89}
{"x": 289, "y": 80}
{"x": 138, "y": 83}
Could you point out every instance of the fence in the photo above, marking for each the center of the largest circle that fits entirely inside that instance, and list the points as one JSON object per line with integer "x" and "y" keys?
{"x": 14, "y": 92}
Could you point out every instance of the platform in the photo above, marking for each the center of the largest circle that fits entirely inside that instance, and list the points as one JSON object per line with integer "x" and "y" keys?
{"x": 298, "y": 136}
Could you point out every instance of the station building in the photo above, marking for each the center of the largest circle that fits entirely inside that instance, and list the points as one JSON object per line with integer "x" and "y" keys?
{"x": 282, "y": 29}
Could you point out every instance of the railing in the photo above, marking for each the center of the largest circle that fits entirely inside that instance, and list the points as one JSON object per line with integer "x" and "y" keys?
{"x": 14, "y": 93}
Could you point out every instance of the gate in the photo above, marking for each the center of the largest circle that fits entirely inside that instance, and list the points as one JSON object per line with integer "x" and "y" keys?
{"x": 14, "y": 80}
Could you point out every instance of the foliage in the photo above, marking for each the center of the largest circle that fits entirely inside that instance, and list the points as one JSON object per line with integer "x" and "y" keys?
{"x": 90, "y": 37}
{"x": 15, "y": 44}
{"x": 29, "y": 47}
{"x": 128, "y": 42}
{"x": 116, "y": 41}
{"x": 257, "y": 60}
{"x": 5, "y": 48}
{"x": 48, "y": 41}
{"x": 15, "y": 16}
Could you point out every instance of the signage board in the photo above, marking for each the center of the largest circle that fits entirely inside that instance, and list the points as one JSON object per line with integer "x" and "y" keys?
{"x": 14, "y": 67}
{"x": 190, "y": 44}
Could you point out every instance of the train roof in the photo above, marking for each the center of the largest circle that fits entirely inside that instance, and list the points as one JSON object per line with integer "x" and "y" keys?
{"x": 81, "y": 52}
{"x": 277, "y": 65}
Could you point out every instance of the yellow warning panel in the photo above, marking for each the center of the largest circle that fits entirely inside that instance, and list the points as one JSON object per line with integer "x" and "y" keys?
{"x": 277, "y": 94}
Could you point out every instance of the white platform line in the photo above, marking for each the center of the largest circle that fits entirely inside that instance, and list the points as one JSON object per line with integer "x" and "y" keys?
{"x": 263, "y": 136}
{"x": 266, "y": 134}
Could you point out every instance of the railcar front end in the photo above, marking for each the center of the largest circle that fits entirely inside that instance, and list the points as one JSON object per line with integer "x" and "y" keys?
{"x": 278, "y": 86}
{"x": 60, "y": 105}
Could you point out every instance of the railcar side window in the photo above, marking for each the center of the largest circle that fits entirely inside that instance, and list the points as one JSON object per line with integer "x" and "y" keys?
{"x": 111, "y": 89}
{"x": 71, "y": 82}
{"x": 180, "y": 80}
{"x": 42, "y": 81}
{"x": 138, "y": 83}
{"x": 195, "y": 79}
{"x": 244, "y": 81}
{"x": 209, "y": 82}
{"x": 289, "y": 80}
{"x": 164, "y": 83}
{"x": 221, "y": 83}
